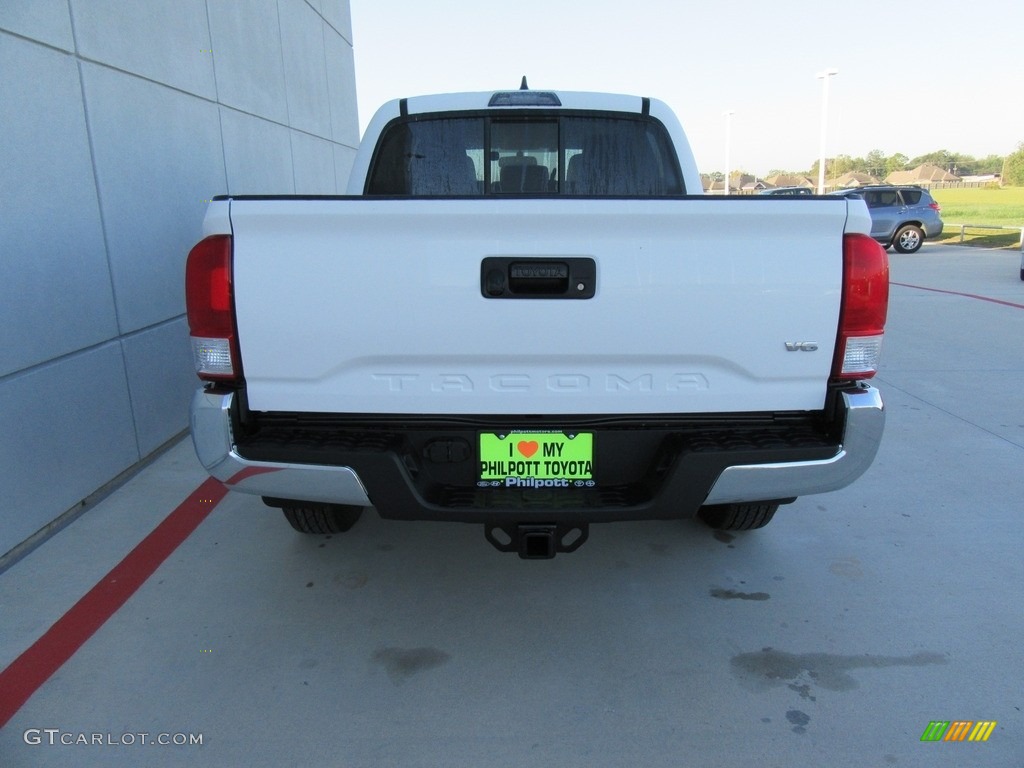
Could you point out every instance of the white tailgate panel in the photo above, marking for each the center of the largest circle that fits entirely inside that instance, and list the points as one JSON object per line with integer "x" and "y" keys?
{"x": 375, "y": 306}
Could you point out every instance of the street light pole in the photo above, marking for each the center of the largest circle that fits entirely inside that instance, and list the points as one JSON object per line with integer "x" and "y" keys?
{"x": 728, "y": 140}
{"x": 824, "y": 77}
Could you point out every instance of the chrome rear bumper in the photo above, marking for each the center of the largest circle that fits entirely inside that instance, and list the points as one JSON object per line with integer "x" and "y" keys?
{"x": 862, "y": 434}
{"x": 211, "y": 436}
{"x": 863, "y": 420}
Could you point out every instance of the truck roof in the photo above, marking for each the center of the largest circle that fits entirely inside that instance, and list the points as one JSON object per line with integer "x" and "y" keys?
{"x": 519, "y": 99}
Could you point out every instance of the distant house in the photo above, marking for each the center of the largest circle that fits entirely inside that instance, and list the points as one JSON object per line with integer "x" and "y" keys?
{"x": 856, "y": 179}
{"x": 923, "y": 174}
{"x": 789, "y": 180}
{"x": 738, "y": 183}
{"x": 986, "y": 177}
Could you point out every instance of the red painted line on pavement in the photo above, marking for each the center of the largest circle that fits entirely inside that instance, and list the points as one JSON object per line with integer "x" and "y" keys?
{"x": 245, "y": 474}
{"x": 965, "y": 295}
{"x": 34, "y": 667}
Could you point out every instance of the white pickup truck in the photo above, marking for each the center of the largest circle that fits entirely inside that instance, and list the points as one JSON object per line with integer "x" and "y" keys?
{"x": 526, "y": 315}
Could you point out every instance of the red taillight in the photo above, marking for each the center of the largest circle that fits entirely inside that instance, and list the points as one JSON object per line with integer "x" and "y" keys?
{"x": 934, "y": 206}
{"x": 208, "y": 299}
{"x": 864, "y": 306}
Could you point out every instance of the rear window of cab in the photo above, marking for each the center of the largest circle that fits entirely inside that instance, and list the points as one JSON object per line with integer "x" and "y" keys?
{"x": 532, "y": 153}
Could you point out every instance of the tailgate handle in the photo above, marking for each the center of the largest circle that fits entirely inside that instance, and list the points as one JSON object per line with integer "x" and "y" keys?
{"x": 513, "y": 277}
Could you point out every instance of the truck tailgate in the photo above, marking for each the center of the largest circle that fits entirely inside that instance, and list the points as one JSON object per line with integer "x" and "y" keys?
{"x": 700, "y": 305}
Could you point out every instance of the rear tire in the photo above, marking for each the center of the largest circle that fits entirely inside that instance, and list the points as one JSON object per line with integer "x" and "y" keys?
{"x": 322, "y": 518}
{"x": 737, "y": 517}
{"x": 908, "y": 239}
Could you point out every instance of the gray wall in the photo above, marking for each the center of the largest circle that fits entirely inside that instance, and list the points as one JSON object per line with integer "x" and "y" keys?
{"x": 118, "y": 119}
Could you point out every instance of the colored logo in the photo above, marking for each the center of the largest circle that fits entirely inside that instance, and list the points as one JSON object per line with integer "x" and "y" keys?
{"x": 528, "y": 448}
{"x": 958, "y": 730}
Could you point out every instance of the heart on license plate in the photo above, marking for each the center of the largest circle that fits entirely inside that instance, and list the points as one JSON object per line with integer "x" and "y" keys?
{"x": 512, "y": 457}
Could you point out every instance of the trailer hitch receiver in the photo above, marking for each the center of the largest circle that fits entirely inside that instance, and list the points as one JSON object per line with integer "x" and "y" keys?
{"x": 537, "y": 541}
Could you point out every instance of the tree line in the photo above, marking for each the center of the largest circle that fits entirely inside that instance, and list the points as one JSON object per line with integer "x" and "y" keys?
{"x": 1013, "y": 168}
{"x": 878, "y": 164}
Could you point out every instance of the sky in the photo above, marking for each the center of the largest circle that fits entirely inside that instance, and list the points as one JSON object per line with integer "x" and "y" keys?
{"x": 913, "y": 77}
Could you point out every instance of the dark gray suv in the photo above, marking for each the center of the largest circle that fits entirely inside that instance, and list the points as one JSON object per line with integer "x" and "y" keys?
{"x": 901, "y": 217}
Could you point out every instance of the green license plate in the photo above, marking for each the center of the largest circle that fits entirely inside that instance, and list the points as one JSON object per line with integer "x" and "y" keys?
{"x": 537, "y": 459}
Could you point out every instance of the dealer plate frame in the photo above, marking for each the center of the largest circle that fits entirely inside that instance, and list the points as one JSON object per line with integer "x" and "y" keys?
{"x": 531, "y": 458}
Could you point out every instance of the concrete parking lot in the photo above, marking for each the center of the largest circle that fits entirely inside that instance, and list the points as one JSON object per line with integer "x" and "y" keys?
{"x": 833, "y": 637}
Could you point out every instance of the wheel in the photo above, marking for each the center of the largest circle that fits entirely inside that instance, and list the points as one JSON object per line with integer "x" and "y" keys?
{"x": 322, "y": 518}
{"x": 908, "y": 239}
{"x": 737, "y": 517}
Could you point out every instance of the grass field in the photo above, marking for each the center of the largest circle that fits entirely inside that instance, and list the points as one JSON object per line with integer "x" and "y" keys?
{"x": 987, "y": 206}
